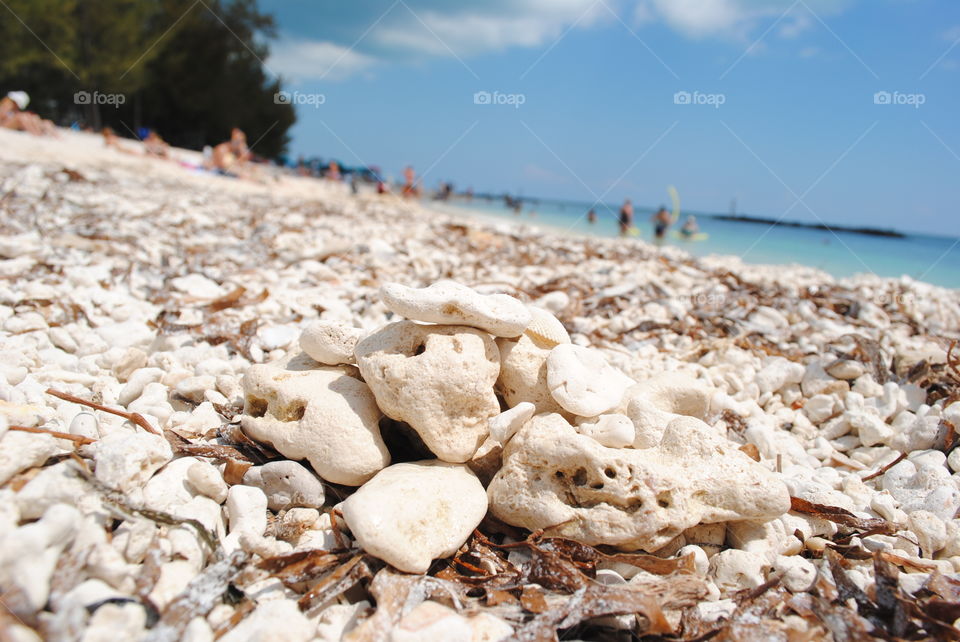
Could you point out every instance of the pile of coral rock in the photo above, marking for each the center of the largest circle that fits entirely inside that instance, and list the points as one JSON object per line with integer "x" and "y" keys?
{"x": 468, "y": 406}
{"x": 518, "y": 421}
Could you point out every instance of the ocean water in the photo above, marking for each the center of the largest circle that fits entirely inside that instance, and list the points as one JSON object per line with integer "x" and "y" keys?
{"x": 926, "y": 258}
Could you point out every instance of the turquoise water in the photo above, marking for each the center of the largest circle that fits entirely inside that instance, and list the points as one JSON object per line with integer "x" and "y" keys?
{"x": 932, "y": 259}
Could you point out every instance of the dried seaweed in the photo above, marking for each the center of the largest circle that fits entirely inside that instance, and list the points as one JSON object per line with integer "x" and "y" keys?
{"x": 133, "y": 417}
{"x": 886, "y": 467}
{"x": 886, "y": 612}
{"x": 357, "y": 568}
{"x": 870, "y": 353}
{"x": 555, "y": 584}
{"x": 842, "y": 516}
{"x": 395, "y": 594}
{"x": 760, "y": 618}
{"x": 227, "y": 301}
{"x": 201, "y": 595}
{"x": 302, "y": 565}
{"x": 594, "y": 600}
{"x": 79, "y": 440}
{"x": 218, "y": 452}
{"x": 250, "y": 449}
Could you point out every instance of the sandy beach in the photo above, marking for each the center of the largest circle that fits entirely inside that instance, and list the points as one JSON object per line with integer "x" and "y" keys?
{"x": 141, "y": 286}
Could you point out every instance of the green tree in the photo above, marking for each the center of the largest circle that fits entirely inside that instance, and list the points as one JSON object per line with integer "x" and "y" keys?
{"x": 191, "y": 70}
{"x": 38, "y": 51}
{"x": 112, "y": 44}
{"x": 211, "y": 78}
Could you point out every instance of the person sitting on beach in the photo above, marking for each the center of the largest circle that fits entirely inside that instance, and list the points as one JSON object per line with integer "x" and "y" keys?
{"x": 229, "y": 157}
{"x": 333, "y": 171}
{"x": 112, "y": 141}
{"x": 302, "y": 169}
{"x": 13, "y": 115}
{"x": 11, "y": 105}
{"x": 154, "y": 145}
{"x": 626, "y": 217}
{"x": 410, "y": 183}
{"x": 661, "y": 221}
{"x": 690, "y": 227}
{"x": 591, "y": 216}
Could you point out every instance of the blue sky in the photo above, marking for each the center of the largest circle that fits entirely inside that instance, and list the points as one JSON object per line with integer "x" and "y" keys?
{"x": 782, "y": 112}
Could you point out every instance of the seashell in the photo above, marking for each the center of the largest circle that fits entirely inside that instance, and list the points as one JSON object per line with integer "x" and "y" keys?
{"x": 546, "y": 327}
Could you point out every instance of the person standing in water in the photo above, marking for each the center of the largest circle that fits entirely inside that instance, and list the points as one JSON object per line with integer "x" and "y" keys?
{"x": 591, "y": 216}
{"x": 690, "y": 227}
{"x": 661, "y": 221}
{"x": 626, "y": 217}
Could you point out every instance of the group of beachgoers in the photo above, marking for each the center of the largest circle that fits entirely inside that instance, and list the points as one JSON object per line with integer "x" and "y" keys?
{"x": 234, "y": 158}
{"x": 229, "y": 158}
{"x": 662, "y": 219}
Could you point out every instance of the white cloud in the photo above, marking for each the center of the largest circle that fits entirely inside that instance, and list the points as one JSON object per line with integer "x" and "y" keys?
{"x": 299, "y": 60}
{"x": 794, "y": 24}
{"x": 483, "y": 28}
{"x": 417, "y": 29}
{"x": 427, "y": 28}
{"x": 737, "y": 19}
{"x": 699, "y": 17}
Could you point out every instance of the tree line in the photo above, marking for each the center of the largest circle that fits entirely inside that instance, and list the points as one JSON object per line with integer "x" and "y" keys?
{"x": 189, "y": 69}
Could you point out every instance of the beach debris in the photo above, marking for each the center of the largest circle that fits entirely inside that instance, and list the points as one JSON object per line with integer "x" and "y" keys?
{"x": 523, "y": 373}
{"x": 287, "y": 484}
{"x": 438, "y": 379}
{"x": 569, "y": 485}
{"x": 174, "y": 466}
{"x": 451, "y": 303}
{"x": 324, "y": 414}
{"x": 582, "y": 382}
{"x": 612, "y": 430}
{"x": 652, "y": 404}
{"x": 330, "y": 343}
{"x": 411, "y": 514}
{"x": 127, "y": 460}
{"x": 507, "y": 423}
{"x": 546, "y": 327}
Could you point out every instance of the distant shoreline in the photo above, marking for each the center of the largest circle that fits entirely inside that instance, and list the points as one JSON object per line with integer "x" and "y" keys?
{"x": 869, "y": 231}
{"x": 736, "y": 218}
